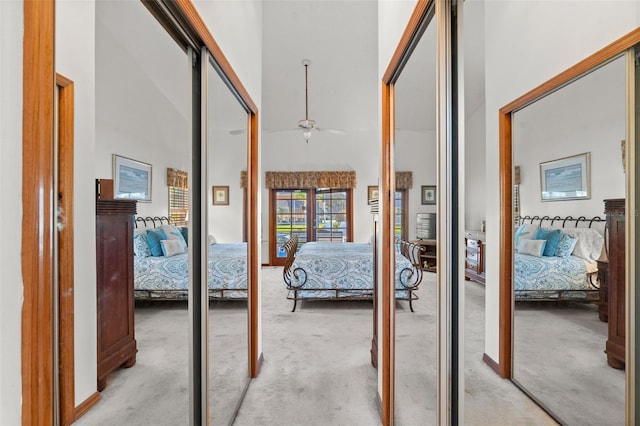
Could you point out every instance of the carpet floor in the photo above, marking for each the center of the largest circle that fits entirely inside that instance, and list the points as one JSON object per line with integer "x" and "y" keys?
{"x": 316, "y": 368}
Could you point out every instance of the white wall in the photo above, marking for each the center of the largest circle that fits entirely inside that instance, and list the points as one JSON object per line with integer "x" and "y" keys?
{"x": 526, "y": 44}
{"x": 475, "y": 189}
{"x": 11, "y": 31}
{"x": 586, "y": 116}
{"x": 75, "y": 50}
{"x": 475, "y": 113}
{"x": 416, "y": 152}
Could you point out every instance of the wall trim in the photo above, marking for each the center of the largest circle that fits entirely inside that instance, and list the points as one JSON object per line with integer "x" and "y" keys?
{"x": 491, "y": 363}
{"x": 86, "y": 405}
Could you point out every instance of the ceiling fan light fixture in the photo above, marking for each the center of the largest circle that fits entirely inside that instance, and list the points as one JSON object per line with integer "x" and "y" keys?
{"x": 306, "y": 134}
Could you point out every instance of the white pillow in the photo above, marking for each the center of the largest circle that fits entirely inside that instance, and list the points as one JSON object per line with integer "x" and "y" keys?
{"x": 589, "y": 244}
{"x": 211, "y": 240}
{"x": 171, "y": 247}
{"x": 531, "y": 247}
{"x": 173, "y": 233}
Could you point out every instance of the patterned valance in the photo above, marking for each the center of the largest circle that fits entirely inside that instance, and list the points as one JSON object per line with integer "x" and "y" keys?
{"x": 404, "y": 180}
{"x": 305, "y": 180}
{"x": 177, "y": 178}
{"x": 243, "y": 179}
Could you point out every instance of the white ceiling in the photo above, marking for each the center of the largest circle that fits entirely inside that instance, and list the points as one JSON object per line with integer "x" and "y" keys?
{"x": 340, "y": 38}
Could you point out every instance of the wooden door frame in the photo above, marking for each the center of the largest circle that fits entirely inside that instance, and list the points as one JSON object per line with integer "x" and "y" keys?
{"x": 65, "y": 249}
{"x": 505, "y": 345}
{"x": 423, "y": 11}
{"x": 38, "y": 82}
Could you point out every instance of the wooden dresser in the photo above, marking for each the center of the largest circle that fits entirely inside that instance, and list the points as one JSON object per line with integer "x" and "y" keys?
{"x": 615, "y": 212}
{"x": 114, "y": 265}
{"x": 474, "y": 259}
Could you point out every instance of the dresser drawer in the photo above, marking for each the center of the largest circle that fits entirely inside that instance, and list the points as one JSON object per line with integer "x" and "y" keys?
{"x": 472, "y": 244}
{"x": 473, "y": 255}
{"x": 473, "y": 266}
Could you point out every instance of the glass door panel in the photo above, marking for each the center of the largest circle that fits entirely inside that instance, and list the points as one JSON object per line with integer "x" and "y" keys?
{"x": 291, "y": 218}
{"x": 331, "y": 215}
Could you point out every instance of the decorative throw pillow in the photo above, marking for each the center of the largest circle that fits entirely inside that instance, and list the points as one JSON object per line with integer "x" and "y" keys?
{"x": 525, "y": 231}
{"x": 211, "y": 240}
{"x": 154, "y": 236}
{"x": 173, "y": 233}
{"x": 532, "y": 247}
{"x": 589, "y": 244}
{"x": 140, "y": 245}
{"x": 552, "y": 236}
{"x": 171, "y": 247}
{"x": 566, "y": 245}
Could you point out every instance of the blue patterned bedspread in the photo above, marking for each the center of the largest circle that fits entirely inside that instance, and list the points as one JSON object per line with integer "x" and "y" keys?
{"x": 335, "y": 270}
{"x": 170, "y": 275}
{"x": 537, "y": 275}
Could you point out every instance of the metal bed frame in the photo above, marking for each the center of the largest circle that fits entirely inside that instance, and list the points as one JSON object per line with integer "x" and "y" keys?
{"x": 410, "y": 277}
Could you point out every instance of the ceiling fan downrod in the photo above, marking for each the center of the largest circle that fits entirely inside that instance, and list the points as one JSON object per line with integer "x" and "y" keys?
{"x": 306, "y": 63}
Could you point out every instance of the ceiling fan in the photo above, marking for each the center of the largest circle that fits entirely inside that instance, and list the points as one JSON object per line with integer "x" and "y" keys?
{"x": 308, "y": 126}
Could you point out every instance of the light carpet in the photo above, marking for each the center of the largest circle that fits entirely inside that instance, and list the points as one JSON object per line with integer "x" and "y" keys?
{"x": 316, "y": 368}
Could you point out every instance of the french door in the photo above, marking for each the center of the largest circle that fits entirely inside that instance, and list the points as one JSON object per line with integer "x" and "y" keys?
{"x": 319, "y": 214}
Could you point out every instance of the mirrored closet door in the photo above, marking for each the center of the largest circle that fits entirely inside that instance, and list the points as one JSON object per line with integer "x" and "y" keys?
{"x": 143, "y": 128}
{"x": 568, "y": 332}
{"x": 415, "y": 158}
{"x": 226, "y": 241}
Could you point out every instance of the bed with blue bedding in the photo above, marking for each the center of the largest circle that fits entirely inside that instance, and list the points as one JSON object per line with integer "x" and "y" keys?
{"x": 168, "y": 277}
{"x": 549, "y": 278}
{"x": 344, "y": 271}
{"x": 161, "y": 264}
{"x": 556, "y": 258}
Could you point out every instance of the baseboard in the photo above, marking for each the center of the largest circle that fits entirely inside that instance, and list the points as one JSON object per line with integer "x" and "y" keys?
{"x": 86, "y": 405}
{"x": 491, "y": 363}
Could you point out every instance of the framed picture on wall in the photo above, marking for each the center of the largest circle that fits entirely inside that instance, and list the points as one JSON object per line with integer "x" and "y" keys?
{"x": 428, "y": 194}
{"x": 131, "y": 179}
{"x": 566, "y": 178}
{"x": 372, "y": 193}
{"x": 220, "y": 195}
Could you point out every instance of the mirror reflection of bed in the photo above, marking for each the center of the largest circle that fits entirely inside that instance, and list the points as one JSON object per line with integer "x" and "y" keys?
{"x": 415, "y": 150}
{"x": 559, "y": 338}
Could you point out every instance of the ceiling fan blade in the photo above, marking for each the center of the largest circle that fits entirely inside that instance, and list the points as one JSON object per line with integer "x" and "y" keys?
{"x": 281, "y": 130}
{"x": 334, "y": 131}
{"x": 237, "y": 131}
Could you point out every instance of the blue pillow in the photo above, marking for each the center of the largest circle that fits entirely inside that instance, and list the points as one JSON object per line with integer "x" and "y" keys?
{"x": 552, "y": 236}
{"x": 185, "y": 234}
{"x": 566, "y": 245}
{"x": 154, "y": 236}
